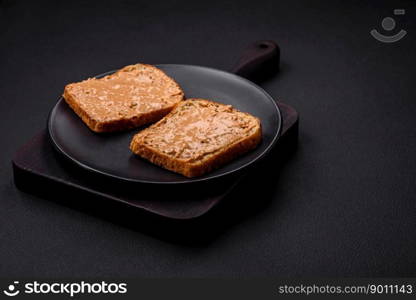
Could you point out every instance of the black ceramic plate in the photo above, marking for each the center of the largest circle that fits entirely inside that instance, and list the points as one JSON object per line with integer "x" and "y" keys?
{"x": 109, "y": 154}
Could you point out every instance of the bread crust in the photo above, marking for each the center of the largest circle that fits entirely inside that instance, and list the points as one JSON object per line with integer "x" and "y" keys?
{"x": 122, "y": 123}
{"x": 202, "y": 166}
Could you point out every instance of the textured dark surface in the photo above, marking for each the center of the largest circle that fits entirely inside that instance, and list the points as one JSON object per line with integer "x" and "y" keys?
{"x": 342, "y": 205}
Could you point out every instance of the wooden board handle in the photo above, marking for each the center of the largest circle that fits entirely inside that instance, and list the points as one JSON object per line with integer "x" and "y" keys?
{"x": 259, "y": 60}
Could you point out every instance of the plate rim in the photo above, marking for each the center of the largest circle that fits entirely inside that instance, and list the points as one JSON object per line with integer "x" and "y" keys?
{"x": 186, "y": 179}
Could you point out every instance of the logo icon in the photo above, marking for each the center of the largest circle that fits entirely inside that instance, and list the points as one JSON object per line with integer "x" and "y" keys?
{"x": 11, "y": 289}
{"x": 389, "y": 24}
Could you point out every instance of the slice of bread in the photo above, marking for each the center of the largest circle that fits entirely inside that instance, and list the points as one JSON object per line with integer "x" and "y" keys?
{"x": 133, "y": 96}
{"x": 198, "y": 136}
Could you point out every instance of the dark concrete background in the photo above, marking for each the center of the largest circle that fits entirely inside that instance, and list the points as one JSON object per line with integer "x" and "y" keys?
{"x": 343, "y": 204}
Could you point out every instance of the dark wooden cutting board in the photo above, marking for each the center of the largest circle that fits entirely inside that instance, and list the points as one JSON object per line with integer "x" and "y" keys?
{"x": 40, "y": 170}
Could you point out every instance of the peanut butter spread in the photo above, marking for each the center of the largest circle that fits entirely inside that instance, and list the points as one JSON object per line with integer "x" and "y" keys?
{"x": 197, "y": 128}
{"x": 130, "y": 92}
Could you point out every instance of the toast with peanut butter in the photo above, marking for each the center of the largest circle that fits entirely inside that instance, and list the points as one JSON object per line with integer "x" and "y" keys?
{"x": 131, "y": 97}
{"x": 198, "y": 136}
